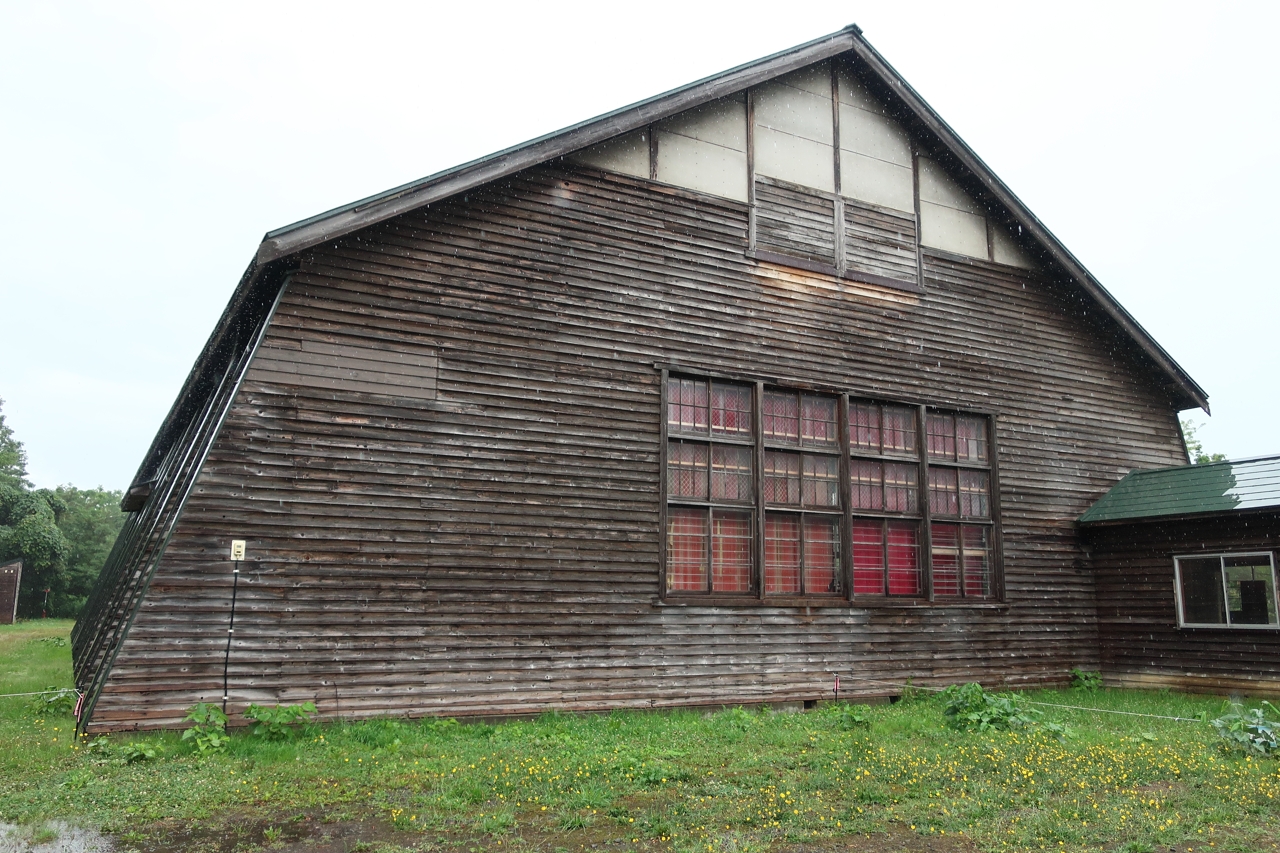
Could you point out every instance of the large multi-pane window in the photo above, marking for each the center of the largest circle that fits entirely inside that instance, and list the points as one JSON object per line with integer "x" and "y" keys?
{"x": 711, "y": 518}
{"x": 801, "y": 494}
{"x": 851, "y": 497}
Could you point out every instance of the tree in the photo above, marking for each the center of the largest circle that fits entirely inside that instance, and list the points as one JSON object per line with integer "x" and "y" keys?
{"x": 63, "y": 537}
{"x": 1195, "y": 449}
{"x": 29, "y": 532}
{"x": 90, "y": 521}
{"x": 13, "y": 457}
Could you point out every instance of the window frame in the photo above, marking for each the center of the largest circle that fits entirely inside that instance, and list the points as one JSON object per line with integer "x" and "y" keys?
{"x": 1221, "y": 556}
{"x": 844, "y": 512}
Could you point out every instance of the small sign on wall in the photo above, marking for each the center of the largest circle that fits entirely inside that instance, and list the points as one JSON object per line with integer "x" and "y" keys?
{"x": 237, "y": 550}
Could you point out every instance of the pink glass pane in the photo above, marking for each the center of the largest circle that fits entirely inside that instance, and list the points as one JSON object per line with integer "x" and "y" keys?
{"x": 781, "y": 417}
{"x": 781, "y": 555}
{"x": 782, "y": 478}
{"x": 687, "y": 470}
{"x": 686, "y": 550}
{"x": 731, "y": 473}
{"x": 941, "y": 430}
{"x": 946, "y": 560}
{"x": 821, "y": 556}
{"x": 821, "y": 481}
{"x": 943, "y": 492}
{"x": 899, "y": 430}
{"x": 864, "y": 426}
{"x": 868, "y": 558}
{"x": 904, "y": 558}
{"x": 730, "y": 409}
{"x": 818, "y": 421}
{"x": 975, "y": 494}
{"x": 867, "y": 491}
{"x": 731, "y": 552}
{"x": 977, "y": 561}
{"x": 971, "y": 439}
{"x": 900, "y": 492}
{"x": 686, "y": 405}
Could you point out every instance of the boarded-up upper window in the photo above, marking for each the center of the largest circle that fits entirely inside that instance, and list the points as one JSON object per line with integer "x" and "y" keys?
{"x": 389, "y": 368}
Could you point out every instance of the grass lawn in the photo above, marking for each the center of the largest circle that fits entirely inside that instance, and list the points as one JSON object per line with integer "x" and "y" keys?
{"x": 737, "y": 780}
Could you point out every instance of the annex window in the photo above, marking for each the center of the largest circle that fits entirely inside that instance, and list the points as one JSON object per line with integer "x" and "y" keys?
{"x": 1227, "y": 591}
{"x": 777, "y": 492}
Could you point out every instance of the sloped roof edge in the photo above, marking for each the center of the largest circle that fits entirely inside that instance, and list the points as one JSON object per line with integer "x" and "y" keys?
{"x": 343, "y": 220}
{"x": 1215, "y": 488}
{"x": 279, "y": 245}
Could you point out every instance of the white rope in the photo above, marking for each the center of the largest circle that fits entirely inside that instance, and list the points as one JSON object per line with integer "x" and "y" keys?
{"x": 39, "y": 692}
{"x": 904, "y": 686}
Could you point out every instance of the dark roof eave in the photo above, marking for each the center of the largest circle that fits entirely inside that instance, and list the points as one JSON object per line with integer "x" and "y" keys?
{"x": 343, "y": 220}
{"x": 1178, "y": 517}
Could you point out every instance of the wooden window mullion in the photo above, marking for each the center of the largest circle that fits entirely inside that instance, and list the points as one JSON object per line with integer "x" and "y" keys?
{"x": 926, "y": 535}
{"x": 663, "y": 461}
{"x": 846, "y": 501}
{"x": 884, "y": 555}
{"x": 757, "y": 425}
{"x": 993, "y": 503}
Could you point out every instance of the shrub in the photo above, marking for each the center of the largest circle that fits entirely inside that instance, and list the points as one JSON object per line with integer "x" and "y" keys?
{"x": 131, "y": 752}
{"x": 278, "y": 723}
{"x": 1087, "y": 680}
{"x": 54, "y": 701}
{"x": 1248, "y": 730}
{"x": 846, "y": 716}
{"x": 210, "y": 730}
{"x": 970, "y": 708}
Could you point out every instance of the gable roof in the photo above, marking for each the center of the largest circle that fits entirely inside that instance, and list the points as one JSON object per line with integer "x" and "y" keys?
{"x": 1187, "y": 490}
{"x": 280, "y": 248}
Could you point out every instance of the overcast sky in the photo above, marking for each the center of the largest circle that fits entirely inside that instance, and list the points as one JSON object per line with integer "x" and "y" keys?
{"x": 146, "y": 147}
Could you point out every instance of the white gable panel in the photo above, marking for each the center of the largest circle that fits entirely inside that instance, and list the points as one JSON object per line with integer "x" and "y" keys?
{"x": 952, "y": 230}
{"x": 702, "y": 166}
{"x": 794, "y": 111}
{"x": 795, "y": 159}
{"x": 854, "y": 94}
{"x": 874, "y": 135}
{"x": 722, "y": 122}
{"x": 1005, "y": 251}
{"x": 936, "y": 186}
{"x": 875, "y": 181}
{"x": 628, "y": 155}
{"x": 814, "y": 78}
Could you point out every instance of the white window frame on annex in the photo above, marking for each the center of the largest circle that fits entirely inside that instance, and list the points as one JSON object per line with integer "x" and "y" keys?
{"x": 1227, "y": 625}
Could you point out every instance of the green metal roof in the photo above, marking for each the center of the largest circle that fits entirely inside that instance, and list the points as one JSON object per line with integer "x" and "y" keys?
{"x": 1191, "y": 490}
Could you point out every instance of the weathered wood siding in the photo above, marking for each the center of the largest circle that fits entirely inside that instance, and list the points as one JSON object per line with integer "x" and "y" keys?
{"x": 795, "y": 221}
{"x": 1141, "y": 643}
{"x": 496, "y": 549}
{"x": 880, "y": 242}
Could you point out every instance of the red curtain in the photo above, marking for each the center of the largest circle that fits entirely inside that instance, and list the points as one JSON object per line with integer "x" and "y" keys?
{"x": 904, "y": 558}
{"x": 868, "y": 558}
{"x": 781, "y": 555}
{"x": 730, "y": 552}
{"x": 687, "y": 550}
{"x": 821, "y": 555}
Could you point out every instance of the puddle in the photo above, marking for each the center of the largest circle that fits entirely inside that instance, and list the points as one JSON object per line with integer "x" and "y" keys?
{"x": 52, "y": 837}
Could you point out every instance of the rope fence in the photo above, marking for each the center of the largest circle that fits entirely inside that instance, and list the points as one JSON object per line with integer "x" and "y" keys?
{"x": 906, "y": 686}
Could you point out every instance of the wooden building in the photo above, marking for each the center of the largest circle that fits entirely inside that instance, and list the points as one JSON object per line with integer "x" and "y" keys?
{"x": 1185, "y": 560}
{"x": 10, "y": 580}
{"x": 696, "y": 402}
